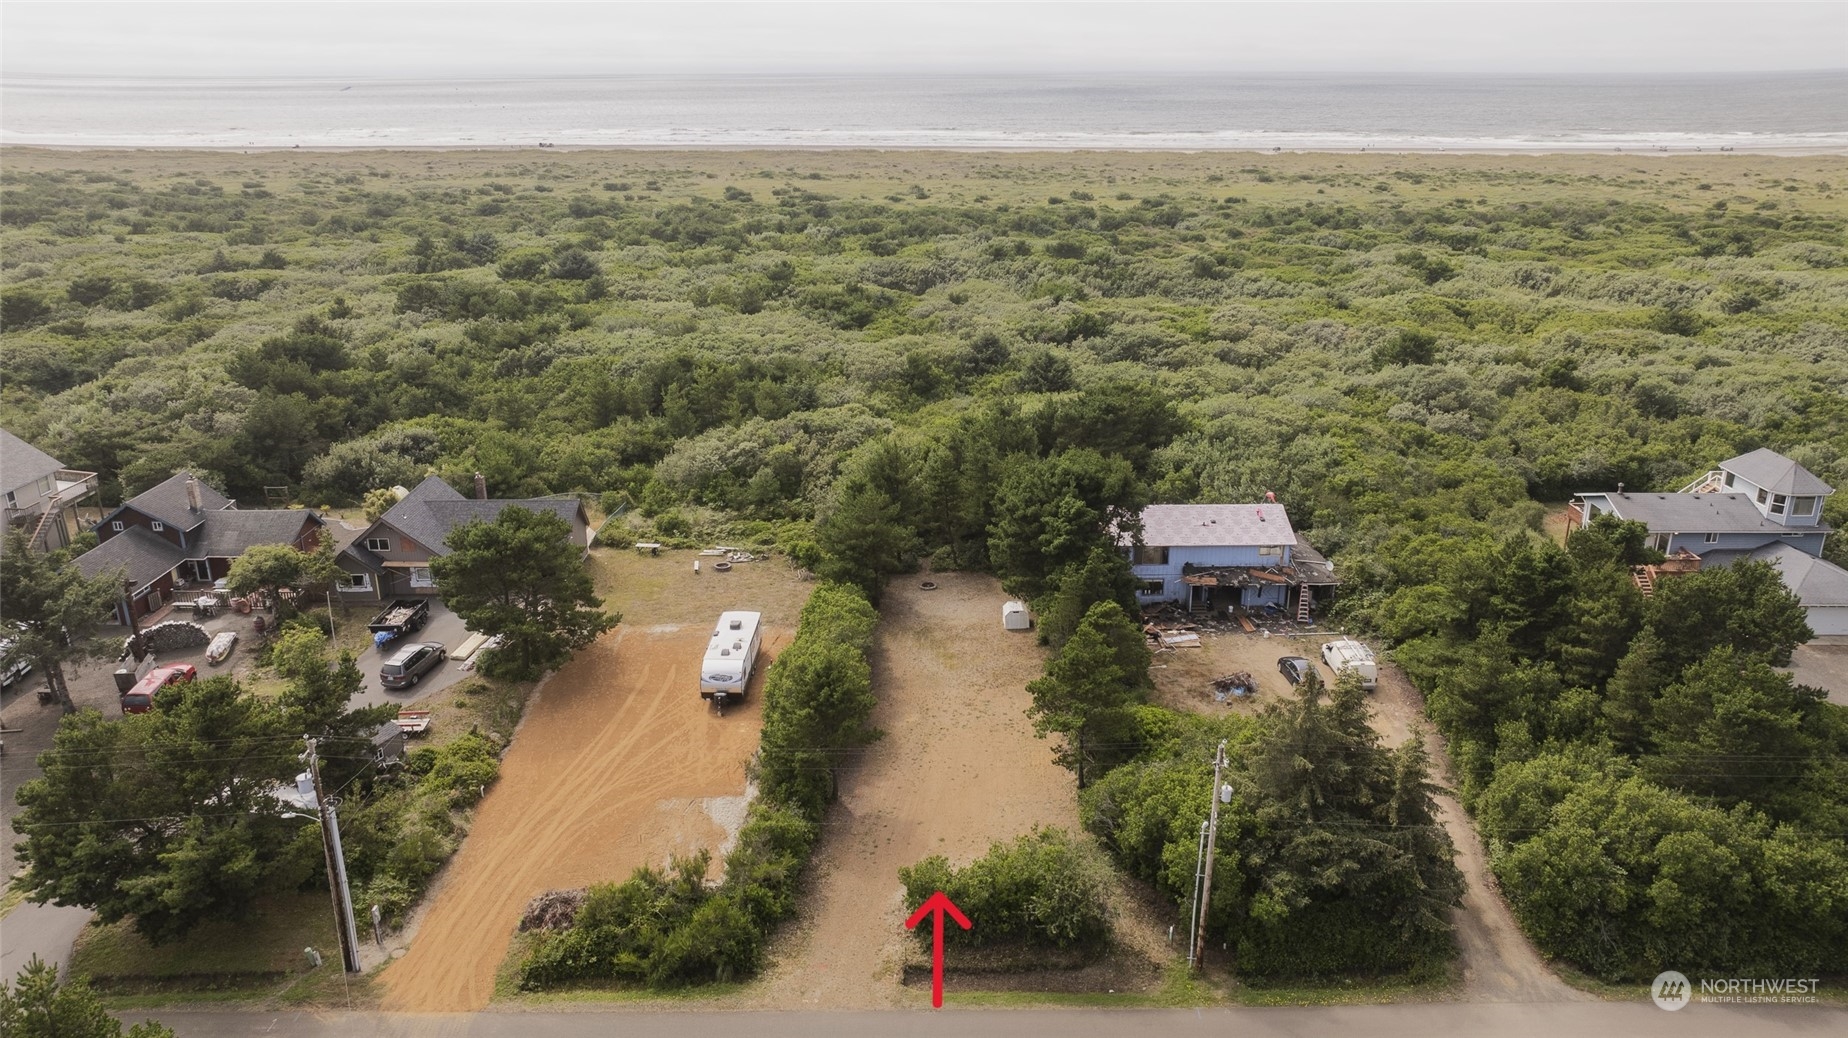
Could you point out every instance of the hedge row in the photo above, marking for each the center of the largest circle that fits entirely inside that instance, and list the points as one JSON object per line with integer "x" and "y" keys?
{"x": 671, "y": 929}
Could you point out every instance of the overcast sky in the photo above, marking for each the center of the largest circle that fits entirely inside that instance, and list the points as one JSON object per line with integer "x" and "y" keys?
{"x": 254, "y": 38}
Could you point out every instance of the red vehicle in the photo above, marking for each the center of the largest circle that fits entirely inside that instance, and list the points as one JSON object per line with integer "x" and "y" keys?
{"x": 140, "y": 699}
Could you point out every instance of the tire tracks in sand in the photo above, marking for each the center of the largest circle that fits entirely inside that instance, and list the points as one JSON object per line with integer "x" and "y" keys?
{"x": 613, "y": 752}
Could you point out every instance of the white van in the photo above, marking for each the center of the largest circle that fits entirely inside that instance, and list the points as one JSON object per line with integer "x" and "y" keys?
{"x": 1348, "y": 654}
{"x": 730, "y": 655}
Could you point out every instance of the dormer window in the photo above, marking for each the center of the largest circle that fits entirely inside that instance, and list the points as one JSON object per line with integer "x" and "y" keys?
{"x": 157, "y": 526}
{"x": 1729, "y": 479}
{"x": 1762, "y": 493}
{"x": 1803, "y": 506}
{"x": 1777, "y": 504}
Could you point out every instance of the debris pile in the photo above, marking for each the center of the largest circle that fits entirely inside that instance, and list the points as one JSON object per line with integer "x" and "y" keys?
{"x": 552, "y": 910}
{"x": 169, "y": 636}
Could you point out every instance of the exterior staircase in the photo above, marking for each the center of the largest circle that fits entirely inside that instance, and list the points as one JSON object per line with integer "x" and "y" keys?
{"x": 1644, "y": 576}
{"x": 34, "y": 540}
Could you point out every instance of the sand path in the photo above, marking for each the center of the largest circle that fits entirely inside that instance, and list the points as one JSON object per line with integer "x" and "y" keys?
{"x": 958, "y": 769}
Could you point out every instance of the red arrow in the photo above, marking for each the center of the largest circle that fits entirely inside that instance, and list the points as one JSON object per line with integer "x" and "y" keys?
{"x": 934, "y": 906}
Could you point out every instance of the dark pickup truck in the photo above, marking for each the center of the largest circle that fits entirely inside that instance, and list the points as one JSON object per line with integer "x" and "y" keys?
{"x": 400, "y": 618}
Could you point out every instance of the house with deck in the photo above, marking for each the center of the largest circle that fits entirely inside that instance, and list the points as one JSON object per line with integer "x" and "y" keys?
{"x": 1761, "y": 506}
{"x": 1224, "y": 557}
{"x": 181, "y": 532}
{"x": 43, "y": 499}
{"x": 391, "y": 557}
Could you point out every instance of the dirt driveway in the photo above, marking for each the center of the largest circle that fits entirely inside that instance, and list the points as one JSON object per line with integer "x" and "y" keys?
{"x": 958, "y": 769}
{"x": 618, "y": 764}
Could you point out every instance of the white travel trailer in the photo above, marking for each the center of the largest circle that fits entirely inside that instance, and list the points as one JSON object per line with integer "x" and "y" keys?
{"x": 730, "y": 655}
{"x": 1348, "y": 654}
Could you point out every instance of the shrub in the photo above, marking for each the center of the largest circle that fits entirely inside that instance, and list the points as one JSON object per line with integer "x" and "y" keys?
{"x": 1044, "y": 890}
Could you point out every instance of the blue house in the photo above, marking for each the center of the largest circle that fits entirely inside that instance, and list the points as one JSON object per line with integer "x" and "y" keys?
{"x": 1219, "y": 557}
{"x": 1759, "y": 506}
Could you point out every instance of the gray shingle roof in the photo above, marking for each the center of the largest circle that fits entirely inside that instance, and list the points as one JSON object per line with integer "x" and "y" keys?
{"x": 430, "y": 512}
{"x": 1697, "y": 513}
{"x": 1776, "y": 473}
{"x": 1815, "y": 582}
{"x": 232, "y": 532}
{"x": 1178, "y": 526}
{"x": 145, "y": 555}
{"x": 167, "y": 502}
{"x": 21, "y": 463}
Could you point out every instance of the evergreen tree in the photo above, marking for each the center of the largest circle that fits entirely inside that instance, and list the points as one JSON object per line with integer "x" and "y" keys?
{"x": 52, "y": 612}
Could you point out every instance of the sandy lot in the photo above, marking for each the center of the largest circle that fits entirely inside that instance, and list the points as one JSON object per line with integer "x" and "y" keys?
{"x": 958, "y": 769}
{"x": 618, "y": 764}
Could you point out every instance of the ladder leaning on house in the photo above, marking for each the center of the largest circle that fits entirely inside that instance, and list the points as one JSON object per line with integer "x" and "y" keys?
{"x": 1303, "y": 596}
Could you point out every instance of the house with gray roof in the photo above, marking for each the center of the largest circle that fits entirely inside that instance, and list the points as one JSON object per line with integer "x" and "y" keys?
{"x": 391, "y": 557}
{"x": 1761, "y": 506}
{"x": 181, "y": 532}
{"x": 41, "y": 497}
{"x": 1220, "y": 556}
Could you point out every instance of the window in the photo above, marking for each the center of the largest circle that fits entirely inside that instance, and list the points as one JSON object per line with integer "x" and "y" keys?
{"x": 116, "y": 526}
{"x": 378, "y": 544}
{"x": 1803, "y": 506}
{"x": 1761, "y": 496}
{"x": 1729, "y": 479}
{"x": 1713, "y": 538}
{"x": 10, "y": 501}
{"x": 1151, "y": 587}
{"x": 1777, "y": 504}
{"x": 157, "y": 526}
{"x": 420, "y": 577}
{"x": 356, "y": 582}
{"x": 1148, "y": 556}
{"x": 1271, "y": 549}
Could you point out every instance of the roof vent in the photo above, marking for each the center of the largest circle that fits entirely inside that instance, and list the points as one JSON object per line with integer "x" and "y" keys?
{"x": 725, "y": 652}
{"x": 1260, "y": 515}
{"x": 737, "y": 645}
{"x": 736, "y": 624}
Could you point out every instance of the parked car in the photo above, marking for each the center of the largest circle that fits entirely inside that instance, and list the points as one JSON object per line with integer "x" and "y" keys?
{"x": 409, "y": 664}
{"x": 140, "y": 698}
{"x": 12, "y": 667}
{"x": 1294, "y": 669}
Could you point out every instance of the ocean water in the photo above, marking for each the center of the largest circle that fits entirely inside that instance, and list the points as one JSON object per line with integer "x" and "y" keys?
{"x": 1794, "y": 111}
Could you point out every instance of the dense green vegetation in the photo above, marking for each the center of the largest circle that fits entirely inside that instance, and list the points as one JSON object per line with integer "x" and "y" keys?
{"x": 1329, "y": 858}
{"x": 993, "y": 361}
{"x": 670, "y": 929}
{"x": 1651, "y": 789}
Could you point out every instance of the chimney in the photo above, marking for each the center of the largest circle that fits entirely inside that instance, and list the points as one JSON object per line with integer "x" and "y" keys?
{"x": 481, "y": 487}
{"x": 193, "y": 500}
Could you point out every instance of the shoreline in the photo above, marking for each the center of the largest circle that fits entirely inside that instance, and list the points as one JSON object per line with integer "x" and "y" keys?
{"x": 1538, "y": 151}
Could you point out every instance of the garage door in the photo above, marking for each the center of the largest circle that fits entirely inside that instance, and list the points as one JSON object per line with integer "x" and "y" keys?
{"x": 1829, "y": 619}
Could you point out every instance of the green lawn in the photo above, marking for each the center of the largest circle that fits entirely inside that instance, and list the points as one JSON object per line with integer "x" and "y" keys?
{"x": 264, "y": 949}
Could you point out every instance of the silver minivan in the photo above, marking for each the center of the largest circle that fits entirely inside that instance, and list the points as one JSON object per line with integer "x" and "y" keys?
{"x": 410, "y": 663}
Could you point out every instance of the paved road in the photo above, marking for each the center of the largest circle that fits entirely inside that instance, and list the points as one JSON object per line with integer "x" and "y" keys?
{"x": 46, "y": 931}
{"x": 1505, "y": 1020}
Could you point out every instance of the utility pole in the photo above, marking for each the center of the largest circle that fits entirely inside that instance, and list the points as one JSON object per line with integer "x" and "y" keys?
{"x": 1206, "y": 881}
{"x": 336, "y": 866}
